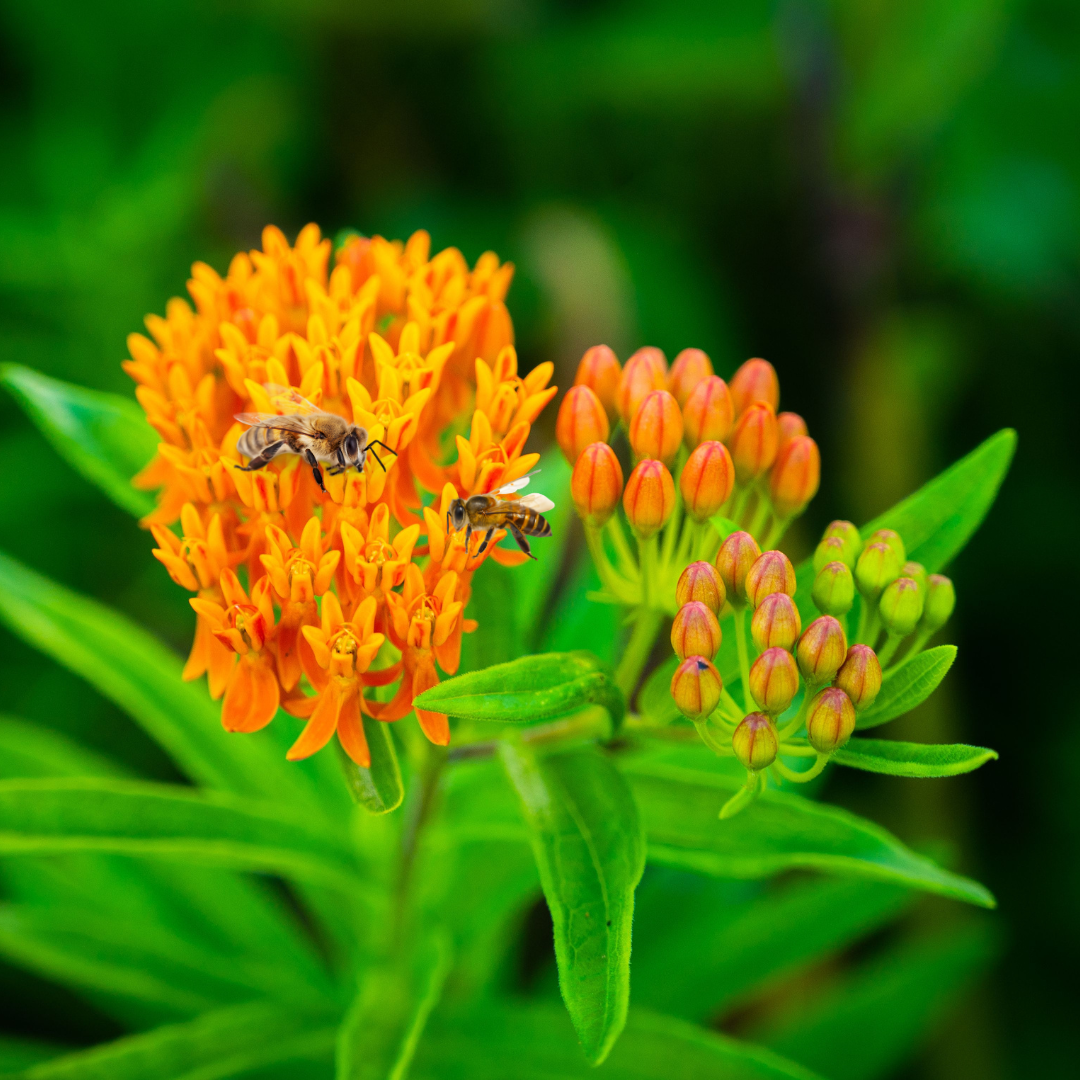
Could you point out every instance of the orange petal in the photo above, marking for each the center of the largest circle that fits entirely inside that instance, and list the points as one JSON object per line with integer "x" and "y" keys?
{"x": 435, "y": 725}
{"x": 239, "y": 695}
{"x": 320, "y": 727}
{"x": 351, "y": 731}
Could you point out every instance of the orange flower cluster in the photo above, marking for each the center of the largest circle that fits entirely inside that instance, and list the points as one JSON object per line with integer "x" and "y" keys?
{"x": 300, "y": 593}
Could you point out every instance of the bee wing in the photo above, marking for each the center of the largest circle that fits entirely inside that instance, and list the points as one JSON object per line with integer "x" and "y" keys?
{"x": 289, "y": 400}
{"x": 535, "y": 501}
{"x": 289, "y": 422}
{"x": 516, "y": 485}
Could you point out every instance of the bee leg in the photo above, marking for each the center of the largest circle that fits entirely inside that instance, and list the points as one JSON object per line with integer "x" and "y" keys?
{"x": 261, "y": 460}
{"x": 519, "y": 536}
{"x": 311, "y": 460}
{"x": 376, "y": 456}
{"x": 487, "y": 540}
{"x": 379, "y": 442}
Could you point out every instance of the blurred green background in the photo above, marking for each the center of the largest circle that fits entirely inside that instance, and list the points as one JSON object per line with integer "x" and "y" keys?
{"x": 882, "y": 197}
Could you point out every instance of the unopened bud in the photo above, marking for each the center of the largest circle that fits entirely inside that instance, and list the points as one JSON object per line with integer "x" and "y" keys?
{"x": 640, "y": 377}
{"x": 774, "y": 680}
{"x": 901, "y": 606}
{"x": 831, "y": 549}
{"x": 790, "y": 425}
{"x": 596, "y": 484}
{"x": 877, "y": 567}
{"x": 822, "y": 650}
{"x": 706, "y": 480}
{"x": 656, "y": 429}
{"x": 649, "y": 497}
{"x": 795, "y": 476}
{"x": 708, "y": 413}
{"x": 940, "y": 602}
{"x": 917, "y": 571}
{"x": 860, "y": 676}
{"x": 691, "y": 367}
{"x": 655, "y": 356}
{"x": 834, "y": 589}
{"x": 755, "y": 381}
{"x": 695, "y": 631}
{"x": 696, "y": 687}
{"x": 755, "y": 742}
{"x": 599, "y": 370}
{"x": 831, "y": 720}
{"x": 776, "y": 622}
{"x": 581, "y": 422}
{"x": 892, "y": 538}
{"x": 754, "y": 441}
{"x": 701, "y": 581}
{"x": 849, "y": 536}
{"x": 733, "y": 561}
{"x": 772, "y": 572}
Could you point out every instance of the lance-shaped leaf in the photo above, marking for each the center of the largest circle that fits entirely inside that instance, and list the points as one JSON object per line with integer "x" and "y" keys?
{"x": 103, "y": 436}
{"x": 226, "y": 1042}
{"x": 777, "y": 832}
{"x": 912, "y": 759}
{"x": 909, "y": 684}
{"x": 135, "y": 818}
{"x": 532, "y": 688}
{"x": 377, "y": 788}
{"x": 590, "y": 850}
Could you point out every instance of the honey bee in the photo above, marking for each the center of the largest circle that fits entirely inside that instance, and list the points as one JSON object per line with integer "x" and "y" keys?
{"x": 520, "y": 517}
{"x": 315, "y": 435}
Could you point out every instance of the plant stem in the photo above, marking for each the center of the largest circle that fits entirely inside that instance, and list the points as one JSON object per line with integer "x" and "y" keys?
{"x": 416, "y": 817}
{"x": 744, "y": 658}
{"x": 802, "y": 777}
{"x": 627, "y": 563}
{"x": 868, "y": 623}
{"x": 646, "y": 624}
{"x": 892, "y": 643}
{"x": 615, "y": 584}
{"x": 792, "y": 726}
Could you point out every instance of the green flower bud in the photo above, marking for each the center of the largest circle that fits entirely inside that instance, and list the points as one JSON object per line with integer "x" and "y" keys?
{"x": 755, "y": 742}
{"x": 892, "y": 538}
{"x": 849, "y": 535}
{"x": 940, "y": 601}
{"x": 831, "y": 720}
{"x": 915, "y": 570}
{"x": 878, "y": 565}
{"x": 831, "y": 549}
{"x": 696, "y": 687}
{"x": 860, "y": 677}
{"x": 774, "y": 680}
{"x": 834, "y": 589}
{"x": 901, "y": 606}
{"x": 822, "y": 650}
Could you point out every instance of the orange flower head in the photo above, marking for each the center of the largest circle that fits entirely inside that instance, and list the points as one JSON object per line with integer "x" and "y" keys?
{"x": 690, "y": 369}
{"x": 581, "y": 421}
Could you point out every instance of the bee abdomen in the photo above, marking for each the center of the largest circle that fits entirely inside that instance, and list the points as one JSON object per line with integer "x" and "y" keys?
{"x": 535, "y": 524}
{"x": 254, "y": 441}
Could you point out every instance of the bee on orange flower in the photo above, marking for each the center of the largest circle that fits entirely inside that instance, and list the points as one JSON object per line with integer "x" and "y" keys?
{"x": 486, "y": 513}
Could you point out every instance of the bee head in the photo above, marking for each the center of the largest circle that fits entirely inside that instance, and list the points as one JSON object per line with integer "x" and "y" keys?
{"x": 456, "y": 514}
{"x": 353, "y": 447}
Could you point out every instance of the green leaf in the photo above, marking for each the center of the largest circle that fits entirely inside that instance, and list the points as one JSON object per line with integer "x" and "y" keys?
{"x": 939, "y": 519}
{"x": 18, "y": 1053}
{"x": 382, "y": 1030}
{"x": 136, "y": 818}
{"x": 219, "y": 1044}
{"x": 725, "y": 949}
{"x": 912, "y": 759}
{"x": 590, "y": 851}
{"x": 779, "y": 831}
{"x": 655, "y": 702}
{"x": 909, "y": 684}
{"x": 891, "y": 1003}
{"x": 532, "y": 688}
{"x": 134, "y": 670}
{"x": 536, "y": 1042}
{"x": 103, "y": 436}
{"x": 28, "y": 750}
{"x": 378, "y": 788}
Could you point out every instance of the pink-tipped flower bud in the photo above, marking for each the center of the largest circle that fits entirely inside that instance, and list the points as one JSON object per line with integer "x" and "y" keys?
{"x": 695, "y": 631}
{"x": 901, "y": 606}
{"x": 755, "y": 742}
{"x": 696, "y": 687}
{"x": 599, "y": 370}
{"x": 772, "y": 572}
{"x": 860, "y": 676}
{"x": 755, "y": 381}
{"x": 690, "y": 369}
{"x": 795, "y": 476}
{"x": 831, "y": 720}
{"x": 834, "y": 589}
{"x": 641, "y": 375}
{"x": 849, "y": 536}
{"x": 877, "y": 567}
{"x": 917, "y": 572}
{"x": 649, "y": 498}
{"x": 581, "y": 422}
{"x": 733, "y": 561}
{"x": 754, "y": 441}
{"x": 892, "y": 538}
{"x": 774, "y": 680}
{"x": 940, "y": 602}
{"x": 790, "y": 425}
{"x": 776, "y": 622}
{"x": 708, "y": 413}
{"x": 701, "y": 581}
{"x": 831, "y": 549}
{"x": 656, "y": 429}
{"x": 596, "y": 484}
{"x": 706, "y": 480}
{"x": 822, "y": 650}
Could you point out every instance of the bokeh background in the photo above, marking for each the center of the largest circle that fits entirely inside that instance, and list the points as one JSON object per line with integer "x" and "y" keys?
{"x": 882, "y": 197}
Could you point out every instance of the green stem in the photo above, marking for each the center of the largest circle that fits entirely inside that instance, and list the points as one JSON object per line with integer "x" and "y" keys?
{"x": 744, "y": 658}
{"x": 417, "y": 813}
{"x": 646, "y": 624}
{"x": 892, "y": 643}
{"x": 627, "y": 563}
{"x": 611, "y": 579}
{"x": 775, "y": 532}
{"x": 802, "y": 777}
{"x": 671, "y": 531}
{"x": 868, "y": 622}
{"x": 761, "y": 516}
{"x": 793, "y": 725}
{"x": 710, "y": 740}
